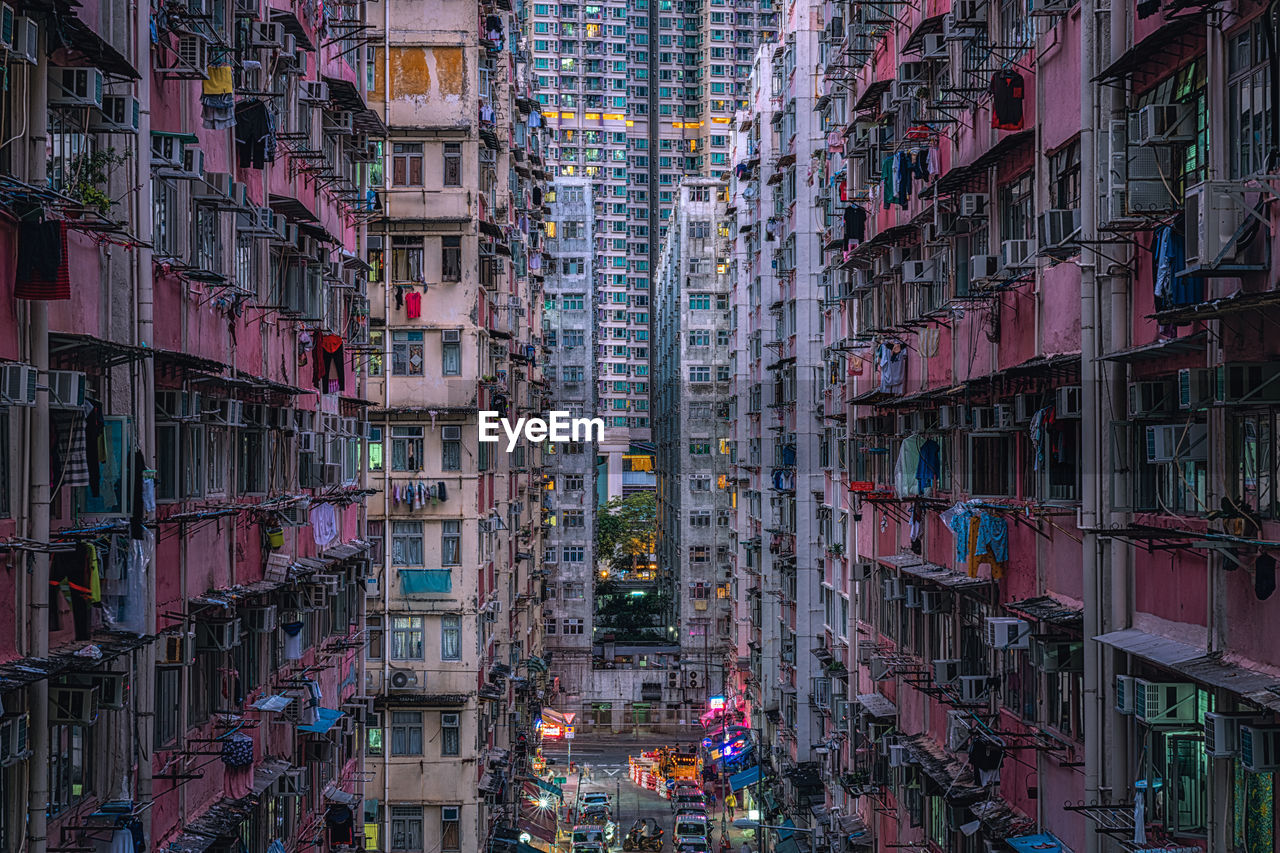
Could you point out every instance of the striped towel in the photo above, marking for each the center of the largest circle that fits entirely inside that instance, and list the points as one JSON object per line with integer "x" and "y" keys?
{"x": 71, "y": 448}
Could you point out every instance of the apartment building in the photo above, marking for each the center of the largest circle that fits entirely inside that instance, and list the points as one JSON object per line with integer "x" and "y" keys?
{"x": 637, "y": 96}
{"x": 569, "y": 330}
{"x": 691, "y": 407}
{"x": 181, "y": 417}
{"x": 777, "y": 420}
{"x": 455, "y": 625}
{"x": 1045, "y": 527}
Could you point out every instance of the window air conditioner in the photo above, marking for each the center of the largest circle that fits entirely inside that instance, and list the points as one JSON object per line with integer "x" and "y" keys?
{"x": 314, "y": 91}
{"x": 1149, "y": 398}
{"x": 119, "y": 114}
{"x": 974, "y": 689}
{"x": 218, "y": 636}
{"x": 73, "y": 706}
{"x": 935, "y": 601}
{"x": 1018, "y": 254}
{"x": 15, "y": 745}
{"x": 1124, "y": 694}
{"x": 946, "y": 417}
{"x": 934, "y": 47}
{"x": 1068, "y": 402}
{"x": 862, "y": 570}
{"x": 958, "y": 729}
{"x": 911, "y": 596}
{"x": 946, "y": 671}
{"x": 1195, "y": 387}
{"x": 1024, "y": 406}
{"x": 1055, "y": 657}
{"x": 26, "y": 41}
{"x": 268, "y": 35}
{"x": 1004, "y": 633}
{"x": 1222, "y": 733}
{"x": 920, "y": 272}
{"x": 451, "y": 433}
{"x": 1260, "y": 748}
{"x": 880, "y": 669}
{"x": 1247, "y": 383}
{"x": 1177, "y": 443}
{"x": 260, "y": 620}
{"x": 81, "y": 87}
{"x": 1164, "y": 703}
{"x": 66, "y": 389}
{"x": 1057, "y": 227}
{"x": 973, "y": 205}
{"x": 1211, "y": 216}
{"x": 892, "y": 589}
{"x": 1162, "y": 124}
{"x": 18, "y": 384}
{"x": 983, "y": 267}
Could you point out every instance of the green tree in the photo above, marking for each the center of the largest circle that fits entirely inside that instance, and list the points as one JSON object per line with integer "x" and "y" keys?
{"x": 626, "y": 530}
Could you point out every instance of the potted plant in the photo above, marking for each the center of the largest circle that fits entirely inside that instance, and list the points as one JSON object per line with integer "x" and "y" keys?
{"x": 87, "y": 174}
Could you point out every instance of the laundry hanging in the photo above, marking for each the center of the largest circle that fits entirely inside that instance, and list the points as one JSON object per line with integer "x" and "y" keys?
{"x": 1007, "y": 93}
{"x": 43, "y": 268}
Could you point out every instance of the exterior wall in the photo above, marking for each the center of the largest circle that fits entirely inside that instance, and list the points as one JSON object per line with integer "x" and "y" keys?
{"x": 186, "y": 284}
{"x": 691, "y": 399}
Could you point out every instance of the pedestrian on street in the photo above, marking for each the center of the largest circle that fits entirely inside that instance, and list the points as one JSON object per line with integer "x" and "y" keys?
{"x": 746, "y": 848}
{"x": 711, "y": 798}
{"x": 731, "y": 803}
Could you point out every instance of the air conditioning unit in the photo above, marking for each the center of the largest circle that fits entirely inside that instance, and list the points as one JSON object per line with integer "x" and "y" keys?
{"x": 946, "y": 417}
{"x": 1005, "y": 632}
{"x": 1164, "y": 703}
{"x": 251, "y": 9}
{"x": 973, "y": 205}
{"x": 18, "y": 384}
{"x": 112, "y": 687}
{"x": 935, "y": 601}
{"x": 1124, "y": 694}
{"x": 175, "y": 649}
{"x": 1068, "y": 402}
{"x": 1222, "y": 733}
{"x": 1053, "y": 657}
{"x": 193, "y": 52}
{"x": 1162, "y": 124}
{"x": 934, "y": 47}
{"x": 891, "y": 587}
{"x": 307, "y": 442}
{"x": 1195, "y": 387}
{"x": 1177, "y": 443}
{"x": 906, "y": 90}
{"x": 314, "y": 91}
{"x": 898, "y": 755}
{"x": 920, "y": 272}
{"x": 1003, "y": 415}
{"x": 26, "y": 41}
{"x": 73, "y": 706}
{"x": 1057, "y": 227}
{"x": 1137, "y": 177}
{"x": 260, "y": 620}
{"x": 946, "y": 671}
{"x": 970, "y": 11}
{"x": 862, "y": 570}
{"x": 266, "y": 35}
{"x": 77, "y": 87}
{"x": 227, "y": 413}
{"x": 974, "y": 689}
{"x": 982, "y": 417}
{"x": 120, "y": 114}
{"x": 880, "y": 668}
{"x": 292, "y": 783}
{"x": 959, "y": 728}
{"x": 1024, "y": 406}
{"x": 1149, "y": 398}
{"x": 403, "y": 679}
{"x": 218, "y": 636}
{"x": 66, "y": 389}
{"x": 1018, "y": 254}
{"x": 1260, "y": 748}
{"x": 1252, "y": 383}
{"x": 1211, "y": 216}
{"x": 983, "y": 267}
{"x": 911, "y": 596}
{"x": 179, "y": 405}
{"x": 15, "y": 745}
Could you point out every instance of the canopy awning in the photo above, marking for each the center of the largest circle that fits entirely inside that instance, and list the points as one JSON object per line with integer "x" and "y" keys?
{"x": 877, "y": 705}
{"x": 326, "y": 718}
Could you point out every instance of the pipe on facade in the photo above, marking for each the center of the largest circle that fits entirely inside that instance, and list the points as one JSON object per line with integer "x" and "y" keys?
{"x": 1090, "y": 437}
{"x": 144, "y": 688}
{"x": 38, "y": 495}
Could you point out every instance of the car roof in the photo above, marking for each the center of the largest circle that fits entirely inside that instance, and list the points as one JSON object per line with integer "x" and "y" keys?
{"x": 595, "y": 795}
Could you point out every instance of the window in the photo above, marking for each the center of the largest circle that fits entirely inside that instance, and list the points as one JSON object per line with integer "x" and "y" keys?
{"x": 375, "y": 532}
{"x": 574, "y": 518}
{"x": 573, "y": 302}
{"x": 373, "y": 367}
{"x": 573, "y": 553}
{"x": 168, "y": 691}
{"x": 699, "y": 374}
{"x": 700, "y": 338}
{"x": 450, "y": 353}
{"x": 375, "y": 638}
{"x": 991, "y": 465}
{"x": 373, "y": 737}
{"x": 70, "y": 766}
{"x": 571, "y": 482}
{"x": 406, "y": 733}
{"x": 450, "y": 734}
{"x": 406, "y": 829}
{"x": 450, "y": 455}
{"x": 451, "y": 638}
{"x": 1248, "y": 101}
{"x": 699, "y": 301}
{"x": 699, "y": 554}
{"x": 574, "y": 591}
{"x": 207, "y": 239}
{"x": 700, "y": 518}
{"x": 451, "y": 542}
{"x": 548, "y": 625}
{"x": 699, "y": 448}
{"x": 406, "y": 637}
{"x": 406, "y": 543}
{"x": 251, "y": 462}
{"x": 407, "y": 357}
{"x": 450, "y": 829}
{"x": 700, "y": 483}
{"x": 451, "y": 258}
{"x": 572, "y": 626}
{"x": 1063, "y": 702}
{"x": 1064, "y": 177}
{"x": 406, "y": 164}
{"x": 406, "y": 259}
{"x": 406, "y": 449}
{"x": 722, "y": 373}
{"x": 453, "y": 164}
